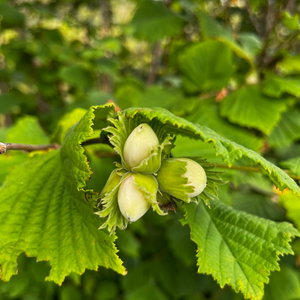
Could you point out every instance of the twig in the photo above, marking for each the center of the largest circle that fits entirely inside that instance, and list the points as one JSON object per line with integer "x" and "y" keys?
{"x": 12, "y": 146}
{"x": 252, "y": 169}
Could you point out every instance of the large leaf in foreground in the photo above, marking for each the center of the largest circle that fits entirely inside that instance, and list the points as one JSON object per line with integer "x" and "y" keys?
{"x": 237, "y": 248}
{"x": 228, "y": 150}
{"x": 43, "y": 214}
{"x": 249, "y": 107}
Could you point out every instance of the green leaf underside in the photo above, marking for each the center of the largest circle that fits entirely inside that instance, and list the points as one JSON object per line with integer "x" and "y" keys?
{"x": 196, "y": 64}
{"x": 208, "y": 114}
{"x": 237, "y": 248}
{"x": 248, "y": 107}
{"x": 75, "y": 163}
{"x": 44, "y": 216}
{"x": 287, "y": 129}
{"x": 228, "y": 150}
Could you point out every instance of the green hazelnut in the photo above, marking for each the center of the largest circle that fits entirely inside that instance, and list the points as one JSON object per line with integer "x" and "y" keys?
{"x": 196, "y": 176}
{"x": 181, "y": 178}
{"x": 132, "y": 202}
{"x": 139, "y": 145}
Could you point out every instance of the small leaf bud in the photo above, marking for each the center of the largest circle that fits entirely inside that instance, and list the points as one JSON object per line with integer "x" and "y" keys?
{"x": 139, "y": 144}
{"x": 132, "y": 202}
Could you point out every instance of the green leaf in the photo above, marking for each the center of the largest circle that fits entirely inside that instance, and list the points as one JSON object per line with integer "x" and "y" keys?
{"x": 237, "y": 248}
{"x": 287, "y": 129}
{"x": 27, "y": 130}
{"x": 289, "y": 21}
{"x": 248, "y": 47}
{"x": 75, "y": 163}
{"x": 258, "y": 205}
{"x": 206, "y": 67}
{"x": 292, "y": 205}
{"x": 172, "y": 100}
{"x": 8, "y": 161}
{"x": 207, "y": 114}
{"x": 292, "y": 164}
{"x": 184, "y": 145}
{"x": 44, "y": 216}
{"x": 65, "y": 123}
{"x": 78, "y": 76}
{"x": 153, "y": 21}
{"x": 277, "y": 86}
{"x": 289, "y": 65}
{"x": 248, "y": 107}
{"x": 229, "y": 151}
{"x": 283, "y": 285}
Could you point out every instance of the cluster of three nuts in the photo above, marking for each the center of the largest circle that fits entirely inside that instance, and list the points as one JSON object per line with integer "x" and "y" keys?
{"x": 131, "y": 200}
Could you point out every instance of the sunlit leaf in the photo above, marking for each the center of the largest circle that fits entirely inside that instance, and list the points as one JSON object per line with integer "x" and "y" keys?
{"x": 206, "y": 67}
{"x": 238, "y": 249}
{"x": 249, "y": 107}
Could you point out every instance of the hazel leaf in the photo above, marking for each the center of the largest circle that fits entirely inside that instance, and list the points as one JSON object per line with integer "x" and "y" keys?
{"x": 237, "y": 248}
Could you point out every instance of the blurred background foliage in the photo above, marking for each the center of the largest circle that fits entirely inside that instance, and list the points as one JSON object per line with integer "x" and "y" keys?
{"x": 232, "y": 65}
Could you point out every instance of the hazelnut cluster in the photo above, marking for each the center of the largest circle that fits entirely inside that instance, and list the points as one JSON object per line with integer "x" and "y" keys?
{"x": 146, "y": 179}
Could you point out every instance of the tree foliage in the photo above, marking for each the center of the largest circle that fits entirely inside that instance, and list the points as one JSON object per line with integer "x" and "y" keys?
{"x": 218, "y": 79}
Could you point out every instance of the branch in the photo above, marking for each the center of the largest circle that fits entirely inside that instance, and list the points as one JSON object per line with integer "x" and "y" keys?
{"x": 25, "y": 147}
{"x": 11, "y": 146}
{"x": 252, "y": 169}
